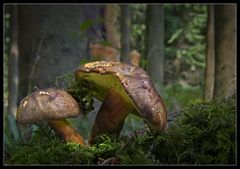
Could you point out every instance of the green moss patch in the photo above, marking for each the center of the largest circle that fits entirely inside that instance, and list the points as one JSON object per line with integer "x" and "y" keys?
{"x": 203, "y": 134}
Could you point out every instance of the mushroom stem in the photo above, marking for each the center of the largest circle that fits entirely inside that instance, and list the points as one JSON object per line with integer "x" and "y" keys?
{"x": 111, "y": 115}
{"x": 64, "y": 129}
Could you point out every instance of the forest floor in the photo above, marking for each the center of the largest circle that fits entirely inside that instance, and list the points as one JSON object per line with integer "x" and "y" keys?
{"x": 203, "y": 133}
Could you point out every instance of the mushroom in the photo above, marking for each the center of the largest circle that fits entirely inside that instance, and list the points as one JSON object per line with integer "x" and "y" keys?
{"x": 53, "y": 105}
{"x": 124, "y": 89}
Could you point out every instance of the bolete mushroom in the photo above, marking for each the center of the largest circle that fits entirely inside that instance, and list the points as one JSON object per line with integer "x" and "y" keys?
{"x": 124, "y": 89}
{"x": 53, "y": 105}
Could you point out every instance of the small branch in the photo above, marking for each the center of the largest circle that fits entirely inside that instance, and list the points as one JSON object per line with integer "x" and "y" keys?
{"x": 37, "y": 58}
{"x": 111, "y": 160}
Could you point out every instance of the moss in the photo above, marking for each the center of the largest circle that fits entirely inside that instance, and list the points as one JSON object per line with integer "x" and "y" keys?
{"x": 203, "y": 134}
{"x": 80, "y": 90}
{"x": 47, "y": 148}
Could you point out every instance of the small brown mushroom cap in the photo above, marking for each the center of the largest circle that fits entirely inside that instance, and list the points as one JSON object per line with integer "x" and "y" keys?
{"x": 133, "y": 84}
{"x": 47, "y": 104}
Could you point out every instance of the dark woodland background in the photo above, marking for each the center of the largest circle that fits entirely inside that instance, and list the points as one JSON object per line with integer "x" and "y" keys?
{"x": 189, "y": 51}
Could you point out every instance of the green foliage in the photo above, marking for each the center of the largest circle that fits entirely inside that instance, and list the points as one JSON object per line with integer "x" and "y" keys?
{"x": 184, "y": 38}
{"x": 83, "y": 93}
{"x": 136, "y": 149}
{"x": 138, "y": 27}
{"x": 203, "y": 134}
{"x": 79, "y": 89}
{"x": 47, "y": 148}
{"x": 177, "y": 96}
{"x": 86, "y": 25}
{"x": 175, "y": 35}
{"x": 185, "y": 42}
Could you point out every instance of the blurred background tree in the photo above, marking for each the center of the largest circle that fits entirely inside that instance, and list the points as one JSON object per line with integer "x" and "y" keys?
{"x": 225, "y": 51}
{"x": 155, "y": 43}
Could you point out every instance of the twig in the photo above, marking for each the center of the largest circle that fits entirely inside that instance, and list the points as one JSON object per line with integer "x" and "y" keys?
{"x": 37, "y": 58}
{"x": 111, "y": 160}
{"x": 154, "y": 47}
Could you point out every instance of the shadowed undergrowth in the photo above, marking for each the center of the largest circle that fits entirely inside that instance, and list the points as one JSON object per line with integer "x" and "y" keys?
{"x": 203, "y": 134}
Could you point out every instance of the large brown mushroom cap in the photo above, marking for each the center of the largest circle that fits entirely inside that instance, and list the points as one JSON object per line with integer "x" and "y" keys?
{"x": 133, "y": 84}
{"x": 47, "y": 104}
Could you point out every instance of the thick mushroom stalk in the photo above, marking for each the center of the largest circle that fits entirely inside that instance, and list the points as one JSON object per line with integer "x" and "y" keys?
{"x": 54, "y": 106}
{"x": 124, "y": 89}
{"x": 111, "y": 115}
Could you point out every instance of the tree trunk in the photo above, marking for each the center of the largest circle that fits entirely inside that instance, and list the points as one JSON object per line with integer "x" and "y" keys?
{"x": 155, "y": 50}
{"x": 146, "y": 45}
{"x": 50, "y": 42}
{"x": 210, "y": 57}
{"x": 225, "y": 65}
{"x": 125, "y": 33}
{"x": 111, "y": 15}
{"x": 13, "y": 63}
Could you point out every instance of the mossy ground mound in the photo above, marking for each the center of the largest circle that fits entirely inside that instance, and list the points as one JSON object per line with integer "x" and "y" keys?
{"x": 203, "y": 134}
